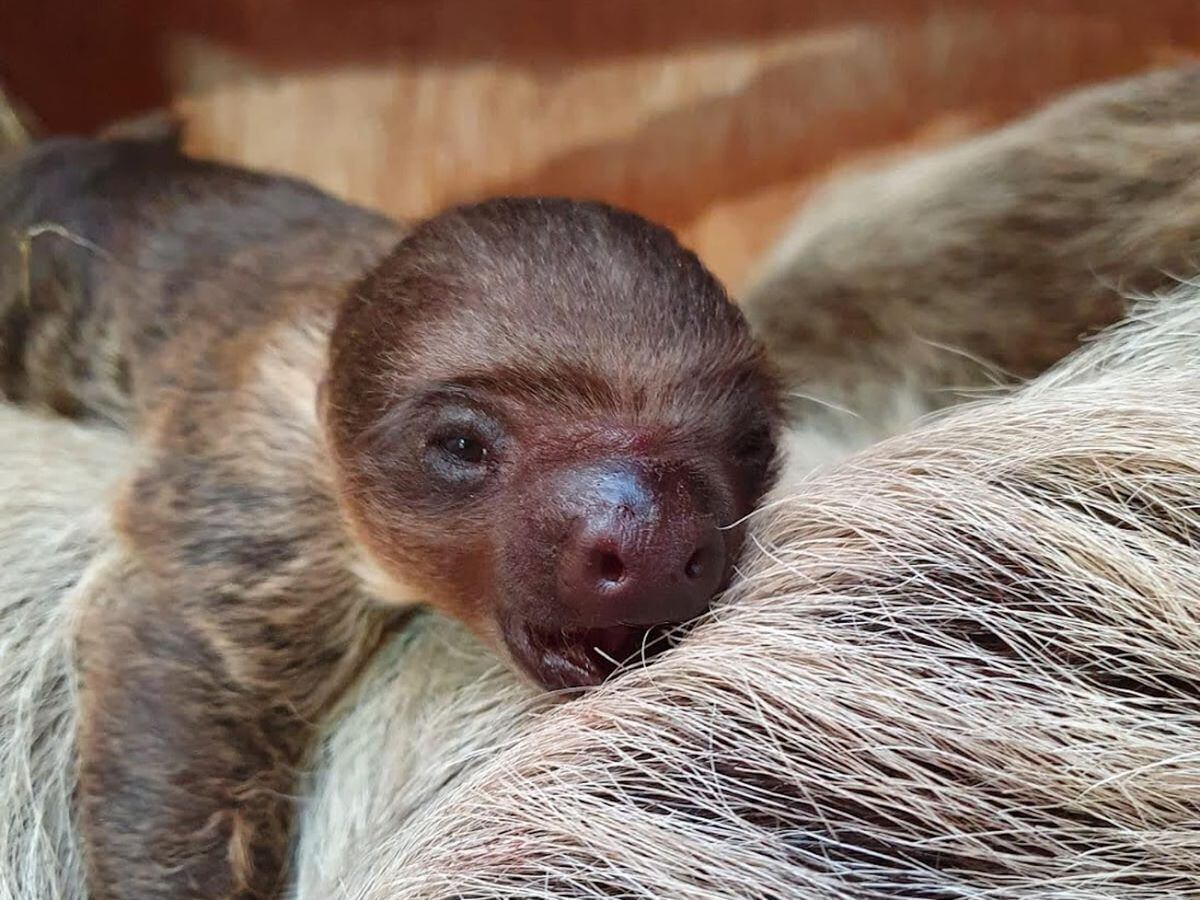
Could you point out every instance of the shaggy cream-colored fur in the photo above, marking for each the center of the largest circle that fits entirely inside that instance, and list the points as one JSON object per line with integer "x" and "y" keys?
{"x": 963, "y": 663}
{"x": 54, "y": 481}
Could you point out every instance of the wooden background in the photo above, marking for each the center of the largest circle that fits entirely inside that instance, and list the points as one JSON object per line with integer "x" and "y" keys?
{"x": 714, "y": 116}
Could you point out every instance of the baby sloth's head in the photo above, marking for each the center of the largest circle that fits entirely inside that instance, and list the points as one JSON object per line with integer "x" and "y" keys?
{"x": 549, "y": 421}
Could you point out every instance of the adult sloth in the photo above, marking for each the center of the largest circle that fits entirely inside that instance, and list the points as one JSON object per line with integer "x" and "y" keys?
{"x": 961, "y": 663}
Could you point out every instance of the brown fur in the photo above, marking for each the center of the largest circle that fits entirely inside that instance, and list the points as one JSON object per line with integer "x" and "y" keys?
{"x": 1038, "y": 232}
{"x": 237, "y": 617}
{"x": 193, "y": 304}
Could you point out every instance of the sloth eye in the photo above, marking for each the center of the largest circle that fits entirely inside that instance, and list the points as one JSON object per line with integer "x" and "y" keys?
{"x": 464, "y": 449}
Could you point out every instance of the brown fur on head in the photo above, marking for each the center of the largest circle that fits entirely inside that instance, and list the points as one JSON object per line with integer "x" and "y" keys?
{"x": 548, "y": 419}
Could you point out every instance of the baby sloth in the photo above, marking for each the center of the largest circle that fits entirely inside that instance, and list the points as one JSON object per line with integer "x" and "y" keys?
{"x": 547, "y": 419}
{"x": 542, "y": 417}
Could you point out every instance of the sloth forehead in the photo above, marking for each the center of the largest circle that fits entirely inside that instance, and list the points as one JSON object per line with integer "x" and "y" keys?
{"x": 615, "y": 337}
{"x": 545, "y": 363}
{"x": 550, "y": 270}
{"x": 603, "y": 323}
{"x": 576, "y": 310}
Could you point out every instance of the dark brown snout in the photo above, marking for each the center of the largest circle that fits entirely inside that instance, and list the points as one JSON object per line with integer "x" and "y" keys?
{"x": 639, "y": 550}
{"x": 612, "y": 549}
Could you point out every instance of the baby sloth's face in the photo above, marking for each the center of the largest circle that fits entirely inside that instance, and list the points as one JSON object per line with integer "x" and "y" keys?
{"x": 550, "y": 422}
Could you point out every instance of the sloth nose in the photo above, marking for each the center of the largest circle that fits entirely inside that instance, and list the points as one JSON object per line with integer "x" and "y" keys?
{"x": 641, "y": 551}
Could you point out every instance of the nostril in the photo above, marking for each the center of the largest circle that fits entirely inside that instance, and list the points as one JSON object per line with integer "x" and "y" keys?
{"x": 697, "y": 565}
{"x": 608, "y": 565}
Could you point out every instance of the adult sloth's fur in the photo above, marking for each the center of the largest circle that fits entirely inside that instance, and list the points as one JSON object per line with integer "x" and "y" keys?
{"x": 54, "y": 481}
{"x": 965, "y": 662}
{"x": 962, "y": 663}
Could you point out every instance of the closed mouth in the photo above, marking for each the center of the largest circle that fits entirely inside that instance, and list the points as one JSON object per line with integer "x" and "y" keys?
{"x": 558, "y": 658}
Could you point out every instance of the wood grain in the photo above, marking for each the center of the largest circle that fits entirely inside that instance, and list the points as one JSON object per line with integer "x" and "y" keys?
{"x": 714, "y": 117}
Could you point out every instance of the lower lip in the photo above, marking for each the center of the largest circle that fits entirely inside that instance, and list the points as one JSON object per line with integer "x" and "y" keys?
{"x": 603, "y": 650}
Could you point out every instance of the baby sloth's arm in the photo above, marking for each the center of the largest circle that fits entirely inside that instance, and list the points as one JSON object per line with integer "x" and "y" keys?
{"x": 190, "y": 737}
{"x": 187, "y": 302}
{"x": 543, "y": 418}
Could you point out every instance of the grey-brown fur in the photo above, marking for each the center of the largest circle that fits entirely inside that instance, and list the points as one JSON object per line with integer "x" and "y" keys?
{"x": 990, "y": 259}
{"x": 110, "y": 243}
